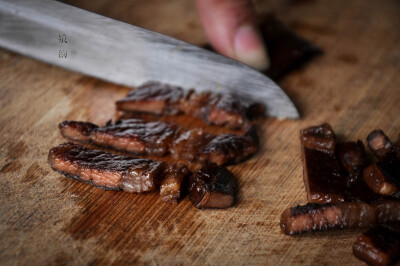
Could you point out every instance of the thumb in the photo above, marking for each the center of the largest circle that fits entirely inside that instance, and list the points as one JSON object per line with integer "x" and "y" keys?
{"x": 231, "y": 29}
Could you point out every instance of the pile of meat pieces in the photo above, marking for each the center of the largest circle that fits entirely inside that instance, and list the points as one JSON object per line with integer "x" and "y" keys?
{"x": 345, "y": 191}
{"x": 213, "y": 186}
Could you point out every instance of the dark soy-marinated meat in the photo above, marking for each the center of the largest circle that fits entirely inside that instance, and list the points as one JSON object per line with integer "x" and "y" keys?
{"x": 197, "y": 145}
{"x": 131, "y": 135}
{"x": 189, "y": 143}
{"x": 381, "y": 146}
{"x": 382, "y": 180}
{"x": 153, "y": 97}
{"x": 212, "y": 187}
{"x": 173, "y": 184}
{"x": 320, "y": 217}
{"x": 229, "y": 148}
{"x": 321, "y": 170}
{"x": 352, "y": 158}
{"x": 378, "y": 246}
{"x": 158, "y": 138}
{"x": 384, "y": 176}
{"x": 213, "y": 108}
{"x": 111, "y": 171}
{"x": 321, "y": 138}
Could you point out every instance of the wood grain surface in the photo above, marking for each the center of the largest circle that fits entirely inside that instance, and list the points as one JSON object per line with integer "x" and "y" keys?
{"x": 46, "y": 218}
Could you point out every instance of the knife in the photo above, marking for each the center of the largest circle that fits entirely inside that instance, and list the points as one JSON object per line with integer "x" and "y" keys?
{"x": 118, "y": 52}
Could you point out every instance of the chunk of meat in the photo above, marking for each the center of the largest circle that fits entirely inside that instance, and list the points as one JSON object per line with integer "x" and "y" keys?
{"x": 131, "y": 135}
{"x": 189, "y": 143}
{"x": 173, "y": 184}
{"x": 111, "y": 171}
{"x": 320, "y": 217}
{"x": 213, "y": 108}
{"x": 378, "y": 246}
{"x": 352, "y": 157}
{"x": 228, "y": 148}
{"x": 381, "y": 146}
{"x": 382, "y": 181}
{"x": 384, "y": 176}
{"x": 212, "y": 187}
{"x": 321, "y": 170}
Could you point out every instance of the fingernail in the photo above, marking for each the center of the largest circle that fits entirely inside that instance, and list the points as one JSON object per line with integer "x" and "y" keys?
{"x": 250, "y": 48}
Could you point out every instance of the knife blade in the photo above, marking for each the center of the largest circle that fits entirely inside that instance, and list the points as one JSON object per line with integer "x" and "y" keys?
{"x": 118, "y": 52}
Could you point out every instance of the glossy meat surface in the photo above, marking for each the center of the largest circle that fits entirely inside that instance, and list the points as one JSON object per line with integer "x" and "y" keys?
{"x": 384, "y": 176}
{"x": 212, "y": 187}
{"x": 213, "y": 108}
{"x": 227, "y": 149}
{"x": 131, "y": 135}
{"x": 154, "y": 98}
{"x": 111, "y": 171}
{"x": 159, "y": 138}
{"x": 378, "y": 246}
{"x": 321, "y": 217}
{"x": 321, "y": 169}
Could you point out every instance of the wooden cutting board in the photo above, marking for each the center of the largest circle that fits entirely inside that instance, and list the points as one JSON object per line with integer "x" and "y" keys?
{"x": 46, "y": 218}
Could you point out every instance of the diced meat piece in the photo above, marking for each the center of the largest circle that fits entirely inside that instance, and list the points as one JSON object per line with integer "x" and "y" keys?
{"x": 381, "y": 146}
{"x": 378, "y": 246}
{"x": 320, "y": 138}
{"x": 320, "y": 217}
{"x": 228, "y": 148}
{"x": 197, "y": 145}
{"x": 382, "y": 181}
{"x": 384, "y": 176}
{"x": 111, "y": 171}
{"x": 213, "y": 108}
{"x": 352, "y": 157}
{"x": 153, "y": 97}
{"x": 131, "y": 135}
{"x": 321, "y": 170}
{"x": 189, "y": 143}
{"x": 232, "y": 111}
{"x": 173, "y": 185}
{"x": 212, "y": 187}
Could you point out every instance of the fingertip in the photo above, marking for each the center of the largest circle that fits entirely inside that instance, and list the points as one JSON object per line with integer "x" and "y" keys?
{"x": 249, "y": 47}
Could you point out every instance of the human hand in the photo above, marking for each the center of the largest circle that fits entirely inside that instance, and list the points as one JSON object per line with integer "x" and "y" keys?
{"x": 231, "y": 28}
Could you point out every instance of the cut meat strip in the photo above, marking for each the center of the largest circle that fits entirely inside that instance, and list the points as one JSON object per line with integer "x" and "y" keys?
{"x": 110, "y": 171}
{"x": 378, "y": 246}
{"x": 320, "y": 217}
{"x": 213, "y": 108}
{"x": 131, "y": 135}
{"x": 321, "y": 170}
{"x": 212, "y": 187}
{"x": 154, "y": 98}
{"x": 157, "y": 138}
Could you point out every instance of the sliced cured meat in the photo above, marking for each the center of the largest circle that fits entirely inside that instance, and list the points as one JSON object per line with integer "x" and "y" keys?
{"x": 320, "y": 217}
{"x": 213, "y": 108}
{"x": 384, "y": 176}
{"x": 111, "y": 171}
{"x": 378, "y": 246}
{"x": 131, "y": 135}
{"x": 212, "y": 187}
{"x": 159, "y": 138}
{"x": 321, "y": 169}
